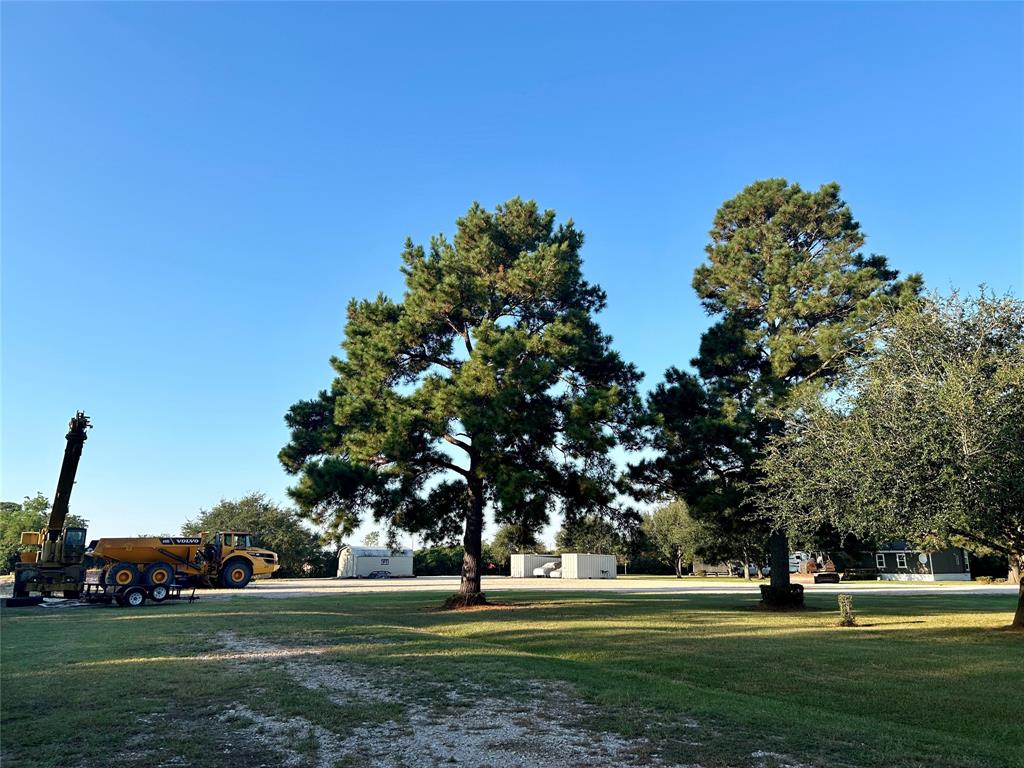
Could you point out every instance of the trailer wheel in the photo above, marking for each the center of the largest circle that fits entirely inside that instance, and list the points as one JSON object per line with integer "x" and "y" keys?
{"x": 122, "y": 575}
{"x": 134, "y": 597}
{"x": 159, "y": 573}
{"x": 237, "y": 573}
{"x": 158, "y": 593}
{"x": 72, "y": 594}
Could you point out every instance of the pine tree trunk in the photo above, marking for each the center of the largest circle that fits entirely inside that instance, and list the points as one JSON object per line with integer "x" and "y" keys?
{"x": 1018, "y": 617}
{"x": 1017, "y": 561}
{"x": 780, "y": 593}
{"x": 469, "y": 589}
{"x": 778, "y": 546}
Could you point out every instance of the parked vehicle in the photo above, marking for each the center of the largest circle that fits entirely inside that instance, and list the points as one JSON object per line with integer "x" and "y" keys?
{"x": 379, "y": 575}
{"x": 218, "y": 558}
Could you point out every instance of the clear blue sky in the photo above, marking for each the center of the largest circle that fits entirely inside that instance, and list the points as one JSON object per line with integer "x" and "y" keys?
{"x": 192, "y": 192}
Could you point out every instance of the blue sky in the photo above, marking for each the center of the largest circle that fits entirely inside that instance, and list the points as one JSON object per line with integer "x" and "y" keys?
{"x": 192, "y": 192}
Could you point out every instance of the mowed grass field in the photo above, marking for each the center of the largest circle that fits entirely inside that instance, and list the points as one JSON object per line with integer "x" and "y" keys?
{"x": 705, "y": 680}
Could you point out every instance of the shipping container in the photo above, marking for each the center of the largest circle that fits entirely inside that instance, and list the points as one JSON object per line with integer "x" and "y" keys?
{"x": 587, "y": 566}
{"x": 523, "y": 565}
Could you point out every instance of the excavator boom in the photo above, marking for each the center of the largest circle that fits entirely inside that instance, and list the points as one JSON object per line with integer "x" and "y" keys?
{"x": 76, "y": 438}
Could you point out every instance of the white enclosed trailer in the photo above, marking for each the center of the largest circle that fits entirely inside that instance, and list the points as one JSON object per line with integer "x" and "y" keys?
{"x": 523, "y": 565}
{"x": 587, "y": 566}
{"x": 360, "y": 562}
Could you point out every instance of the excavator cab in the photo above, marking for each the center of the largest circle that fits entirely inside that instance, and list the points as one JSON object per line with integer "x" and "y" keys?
{"x": 74, "y": 544}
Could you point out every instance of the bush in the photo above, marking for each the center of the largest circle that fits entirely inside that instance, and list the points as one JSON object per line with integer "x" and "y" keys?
{"x": 437, "y": 561}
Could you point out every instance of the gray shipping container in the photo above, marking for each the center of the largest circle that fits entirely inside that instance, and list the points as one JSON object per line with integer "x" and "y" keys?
{"x": 586, "y": 566}
{"x": 523, "y": 565}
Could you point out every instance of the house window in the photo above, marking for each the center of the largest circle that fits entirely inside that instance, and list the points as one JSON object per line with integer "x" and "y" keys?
{"x": 880, "y": 560}
{"x": 901, "y": 560}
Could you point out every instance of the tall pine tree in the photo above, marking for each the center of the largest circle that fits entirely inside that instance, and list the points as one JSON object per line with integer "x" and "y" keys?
{"x": 795, "y": 300}
{"x": 490, "y": 382}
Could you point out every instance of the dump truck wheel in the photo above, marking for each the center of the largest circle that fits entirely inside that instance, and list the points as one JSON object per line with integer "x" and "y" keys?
{"x": 159, "y": 574}
{"x": 237, "y": 573}
{"x": 122, "y": 575}
{"x": 134, "y": 597}
{"x": 158, "y": 593}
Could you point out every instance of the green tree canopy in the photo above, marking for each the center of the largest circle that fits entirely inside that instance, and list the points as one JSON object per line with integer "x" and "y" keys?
{"x": 592, "y": 534}
{"x": 275, "y": 527}
{"x": 31, "y": 514}
{"x": 927, "y": 441}
{"x": 511, "y": 539}
{"x": 490, "y": 382}
{"x": 795, "y": 300}
{"x": 673, "y": 534}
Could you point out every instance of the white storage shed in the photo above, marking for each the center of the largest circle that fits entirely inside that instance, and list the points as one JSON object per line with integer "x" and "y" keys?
{"x": 523, "y": 565}
{"x": 360, "y": 562}
{"x": 587, "y": 566}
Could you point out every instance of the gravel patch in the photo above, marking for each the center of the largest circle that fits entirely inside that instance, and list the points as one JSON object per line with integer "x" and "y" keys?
{"x": 542, "y": 723}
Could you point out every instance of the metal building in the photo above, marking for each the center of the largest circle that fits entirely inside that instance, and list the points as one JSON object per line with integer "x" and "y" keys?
{"x": 361, "y": 562}
{"x": 523, "y": 565}
{"x": 587, "y": 566}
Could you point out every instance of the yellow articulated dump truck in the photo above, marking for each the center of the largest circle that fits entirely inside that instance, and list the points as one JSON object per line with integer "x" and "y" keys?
{"x": 155, "y": 565}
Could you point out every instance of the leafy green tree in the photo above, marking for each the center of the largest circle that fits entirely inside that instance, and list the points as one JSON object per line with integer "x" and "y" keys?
{"x": 511, "y": 539}
{"x": 31, "y": 514}
{"x": 673, "y": 534}
{"x": 277, "y": 528}
{"x": 795, "y": 299}
{"x": 592, "y": 534}
{"x": 490, "y": 382}
{"x": 927, "y": 441}
{"x": 372, "y": 539}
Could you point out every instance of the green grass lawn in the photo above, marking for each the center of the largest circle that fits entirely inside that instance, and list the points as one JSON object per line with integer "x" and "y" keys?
{"x": 923, "y": 681}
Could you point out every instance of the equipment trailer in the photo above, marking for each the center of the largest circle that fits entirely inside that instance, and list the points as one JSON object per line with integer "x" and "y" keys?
{"x": 132, "y": 597}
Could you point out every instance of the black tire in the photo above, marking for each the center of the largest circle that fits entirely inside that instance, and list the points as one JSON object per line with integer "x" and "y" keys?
{"x": 122, "y": 575}
{"x": 158, "y": 574}
{"x": 72, "y": 594}
{"x": 158, "y": 593}
{"x": 135, "y": 597}
{"x": 236, "y": 574}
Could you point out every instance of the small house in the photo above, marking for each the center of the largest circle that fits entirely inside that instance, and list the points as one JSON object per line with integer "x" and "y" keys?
{"x": 899, "y": 561}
